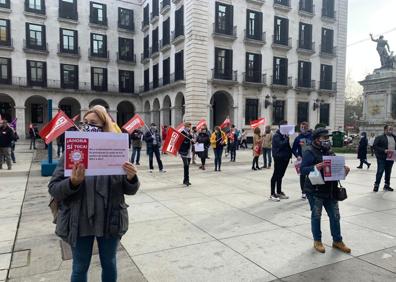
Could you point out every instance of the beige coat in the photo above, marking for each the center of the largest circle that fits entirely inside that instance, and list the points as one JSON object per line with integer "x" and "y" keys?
{"x": 267, "y": 140}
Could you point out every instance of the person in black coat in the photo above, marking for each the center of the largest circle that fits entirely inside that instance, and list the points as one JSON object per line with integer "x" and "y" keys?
{"x": 153, "y": 142}
{"x": 6, "y": 138}
{"x": 185, "y": 152}
{"x": 203, "y": 138}
{"x": 362, "y": 151}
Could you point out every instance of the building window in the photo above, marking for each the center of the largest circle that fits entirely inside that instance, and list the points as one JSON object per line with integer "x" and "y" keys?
{"x": 35, "y": 37}
{"x": 166, "y": 71}
{"x": 179, "y": 22}
{"x": 166, "y": 32}
{"x": 146, "y": 76}
{"x": 98, "y": 14}
{"x": 253, "y": 67}
{"x": 179, "y": 66}
{"x": 125, "y": 49}
{"x": 126, "y": 81}
{"x": 282, "y": 2}
{"x": 254, "y": 22}
{"x": 327, "y": 40}
{"x": 5, "y": 4}
{"x": 69, "y": 76}
{"x": 281, "y": 31}
{"x": 155, "y": 41}
{"x": 5, "y": 70}
{"x": 99, "y": 79}
{"x": 325, "y": 114}
{"x": 305, "y": 36}
{"x": 125, "y": 19}
{"x": 304, "y": 74}
{"x": 326, "y": 77}
{"x": 68, "y": 9}
{"x": 98, "y": 45}
{"x": 278, "y": 112}
{"x": 37, "y": 113}
{"x": 37, "y": 73}
{"x": 306, "y": 5}
{"x": 224, "y": 22}
{"x": 223, "y": 64}
{"x": 68, "y": 41}
{"x": 35, "y": 6}
{"x": 146, "y": 15}
{"x": 155, "y": 76}
{"x": 302, "y": 112}
{"x": 328, "y": 8}
{"x": 280, "y": 71}
{"x": 146, "y": 48}
{"x": 155, "y": 9}
{"x": 251, "y": 110}
{"x": 5, "y": 34}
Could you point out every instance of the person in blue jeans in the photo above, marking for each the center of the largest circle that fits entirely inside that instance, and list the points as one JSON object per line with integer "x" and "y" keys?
{"x": 137, "y": 137}
{"x": 153, "y": 142}
{"x": 322, "y": 196}
{"x": 382, "y": 145}
{"x": 218, "y": 140}
{"x": 267, "y": 147}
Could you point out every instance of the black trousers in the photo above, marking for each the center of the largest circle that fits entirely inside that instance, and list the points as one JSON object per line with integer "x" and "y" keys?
{"x": 255, "y": 163}
{"x": 155, "y": 151}
{"x": 302, "y": 182}
{"x": 186, "y": 166}
{"x": 280, "y": 166}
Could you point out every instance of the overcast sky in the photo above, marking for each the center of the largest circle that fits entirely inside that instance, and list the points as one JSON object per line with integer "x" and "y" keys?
{"x": 364, "y": 17}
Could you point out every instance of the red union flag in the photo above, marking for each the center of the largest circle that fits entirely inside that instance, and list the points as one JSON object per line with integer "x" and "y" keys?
{"x": 180, "y": 127}
{"x": 134, "y": 123}
{"x": 75, "y": 118}
{"x": 59, "y": 124}
{"x": 257, "y": 123}
{"x": 201, "y": 123}
{"x": 226, "y": 123}
{"x": 173, "y": 141}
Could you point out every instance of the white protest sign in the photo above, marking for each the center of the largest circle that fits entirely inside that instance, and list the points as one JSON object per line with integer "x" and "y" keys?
{"x": 287, "y": 129}
{"x": 333, "y": 168}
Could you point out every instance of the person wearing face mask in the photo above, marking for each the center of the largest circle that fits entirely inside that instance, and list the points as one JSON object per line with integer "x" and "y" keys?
{"x": 382, "y": 144}
{"x": 93, "y": 207}
{"x": 203, "y": 138}
{"x": 362, "y": 151}
{"x": 153, "y": 142}
{"x": 300, "y": 144}
{"x": 6, "y": 138}
{"x": 320, "y": 196}
{"x": 185, "y": 152}
{"x": 218, "y": 140}
{"x": 267, "y": 147}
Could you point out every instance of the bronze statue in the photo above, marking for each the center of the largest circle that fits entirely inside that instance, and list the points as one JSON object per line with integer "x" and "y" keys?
{"x": 382, "y": 45}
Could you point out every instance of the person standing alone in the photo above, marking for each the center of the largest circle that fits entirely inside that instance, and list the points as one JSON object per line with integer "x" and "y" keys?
{"x": 153, "y": 141}
{"x": 185, "y": 152}
{"x": 362, "y": 151}
{"x": 136, "y": 136}
{"x": 267, "y": 147}
{"x": 257, "y": 146}
{"x": 6, "y": 138}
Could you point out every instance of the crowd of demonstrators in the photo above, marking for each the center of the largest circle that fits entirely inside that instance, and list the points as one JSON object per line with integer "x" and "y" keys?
{"x": 93, "y": 207}
{"x": 153, "y": 142}
{"x": 242, "y": 142}
{"x": 257, "y": 147}
{"x": 320, "y": 196}
{"x": 371, "y": 143}
{"x": 7, "y": 137}
{"x": 267, "y": 147}
{"x": 233, "y": 142}
{"x": 282, "y": 153}
{"x": 300, "y": 144}
{"x": 60, "y": 141}
{"x": 382, "y": 144}
{"x": 362, "y": 151}
{"x": 33, "y": 134}
{"x": 137, "y": 138}
{"x": 185, "y": 152}
{"x": 218, "y": 140}
{"x": 204, "y": 139}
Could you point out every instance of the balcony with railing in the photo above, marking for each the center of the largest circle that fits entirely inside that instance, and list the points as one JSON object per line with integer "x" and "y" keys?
{"x": 254, "y": 79}
{"x": 154, "y": 17}
{"x": 259, "y": 39}
{"x": 67, "y": 53}
{"x": 102, "y": 55}
{"x": 172, "y": 80}
{"x": 176, "y": 1}
{"x": 257, "y": 2}
{"x": 327, "y": 87}
{"x": 281, "y": 44}
{"x": 229, "y": 33}
{"x": 129, "y": 59}
{"x": 164, "y": 45}
{"x": 283, "y": 5}
{"x": 154, "y": 51}
{"x": 145, "y": 57}
{"x": 282, "y": 82}
{"x": 165, "y": 7}
{"x": 328, "y": 15}
{"x": 7, "y": 45}
{"x": 28, "y": 47}
{"x": 145, "y": 25}
{"x": 178, "y": 36}
{"x": 306, "y": 10}
{"x": 96, "y": 23}
{"x": 326, "y": 52}
{"x": 225, "y": 78}
{"x": 305, "y": 85}
{"x": 304, "y": 47}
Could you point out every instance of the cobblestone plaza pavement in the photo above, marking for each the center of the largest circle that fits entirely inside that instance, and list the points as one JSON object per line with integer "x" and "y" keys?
{"x": 222, "y": 228}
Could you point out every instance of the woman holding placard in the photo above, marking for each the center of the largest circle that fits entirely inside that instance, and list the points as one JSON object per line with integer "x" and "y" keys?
{"x": 93, "y": 207}
{"x": 203, "y": 139}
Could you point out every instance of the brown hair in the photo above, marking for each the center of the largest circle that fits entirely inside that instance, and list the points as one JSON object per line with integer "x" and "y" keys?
{"x": 257, "y": 130}
{"x": 104, "y": 117}
{"x": 187, "y": 124}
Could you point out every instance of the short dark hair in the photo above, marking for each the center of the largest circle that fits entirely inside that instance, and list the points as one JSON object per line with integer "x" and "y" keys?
{"x": 304, "y": 123}
{"x": 386, "y": 126}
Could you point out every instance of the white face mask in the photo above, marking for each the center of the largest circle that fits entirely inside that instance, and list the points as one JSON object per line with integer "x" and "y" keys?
{"x": 91, "y": 128}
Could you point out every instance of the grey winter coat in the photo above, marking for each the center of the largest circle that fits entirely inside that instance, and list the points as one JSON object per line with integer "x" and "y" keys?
{"x": 97, "y": 207}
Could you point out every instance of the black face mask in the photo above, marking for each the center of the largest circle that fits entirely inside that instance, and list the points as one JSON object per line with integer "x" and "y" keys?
{"x": 86, "y": 127}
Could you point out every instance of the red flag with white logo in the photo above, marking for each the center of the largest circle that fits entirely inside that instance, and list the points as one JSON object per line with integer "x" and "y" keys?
{"x": 173, "y": 141}
{"x": 59, "y": 124}
{"x": 180, "y": 127}
{"x": 134, "y": 123}
{"x": 201, "y": 123}
{"x": 257, "y": 123}
{"x": 226, "y": 123}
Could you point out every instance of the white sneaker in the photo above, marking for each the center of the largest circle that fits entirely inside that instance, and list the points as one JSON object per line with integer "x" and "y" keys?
{"x": 151, "y": 171}
{"x": 303, "y": 196}
{"x": 282, "y": 196}
{"x": 274, "y": 198}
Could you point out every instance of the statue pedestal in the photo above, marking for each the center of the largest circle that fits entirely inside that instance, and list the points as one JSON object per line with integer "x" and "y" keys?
{"x": 379, "y": 104}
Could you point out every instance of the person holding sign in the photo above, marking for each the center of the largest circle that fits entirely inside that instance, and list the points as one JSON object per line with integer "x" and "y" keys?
{"x": 324, "y": 195}
{"x": 93, "y": 207}
{"x": 218, "y": 140}
{"x": 185, "y": 152}
{"x": 203, "y": 140}
{"x": 384, "y": 146}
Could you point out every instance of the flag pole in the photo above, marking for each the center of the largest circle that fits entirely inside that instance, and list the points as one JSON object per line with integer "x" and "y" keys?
{"x": 50, "y": 118}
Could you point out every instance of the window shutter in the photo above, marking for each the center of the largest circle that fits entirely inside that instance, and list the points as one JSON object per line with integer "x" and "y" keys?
{"x": 217, "y": 16}
{"x": 247, "y": 22}
{"x": 44, "y": 37}
{"x": 259, "y": 24}
{"x": 91, "y": 44}
{"x": 229, "y": 69}
{"x": 105, "y": 79}
{"x": 92, "y": 79}
{"x": 104, "y": 14}
{"x": 27, "y": 35}
{"x": 76, "y": 79}
{"x": 330, "y": 39}
{"x": 274, "y": 69}
{"x": 105, "y": 44}
{"x": 308, "y": 35}
{"x": 259, "y": 64}
{"x": 8, "y": 31}
{"x": 285, "y": 31}
{"x": 9, "y": 71}
{"x": 44, "y": 74}
{"x": 309, "y": 71}
{"x": 28, "y": 73}
{"x": 91, "y": 13}
{"x": 230, "y": 16}
{"x": 247, "y": 63}
{"x": 62, "y": 74}
{"x": 75, "y": 40}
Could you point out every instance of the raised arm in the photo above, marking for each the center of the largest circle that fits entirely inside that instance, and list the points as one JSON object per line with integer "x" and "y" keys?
{"x": 372, "y": 38}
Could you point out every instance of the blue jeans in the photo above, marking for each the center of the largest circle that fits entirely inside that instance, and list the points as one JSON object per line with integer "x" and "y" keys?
{"x": 136, "y": 155}
{"x": 218, "y": 152}
{"x": 383, "y": 165}
{"x": 267, "y": 156}
{"x": 331, "y": 207}
{"x": 82, "y": 254}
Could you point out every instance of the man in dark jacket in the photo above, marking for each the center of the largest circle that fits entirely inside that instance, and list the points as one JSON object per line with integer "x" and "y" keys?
{"x": 6, "y": 139}
{"x": 281, "y": 153}
{"x": 300, "y": 144}
{"x": 33, "y": 136}
{"x": 185, "y": 152}
{"x": 320, "y": 196}
{"x": 382, "y": 145}
{"x": 153, "y": 142}
{"x": 136, "y": 137}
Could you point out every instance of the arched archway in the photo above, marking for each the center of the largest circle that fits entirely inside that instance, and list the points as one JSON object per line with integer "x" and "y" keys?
{"x": 70, "y": 106}
{"x": 167, "y": 112}
{"x": 222, "y": 107}
{"x": 99, "y": 102}
{"x": 179, "y": 108}
{"x": 147, "y": 113}
{"x": 125, "y": 111}
{"x": 156, "y": 112}
{"x": 36, "y": 111}
{"x": 7, "y": 107}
